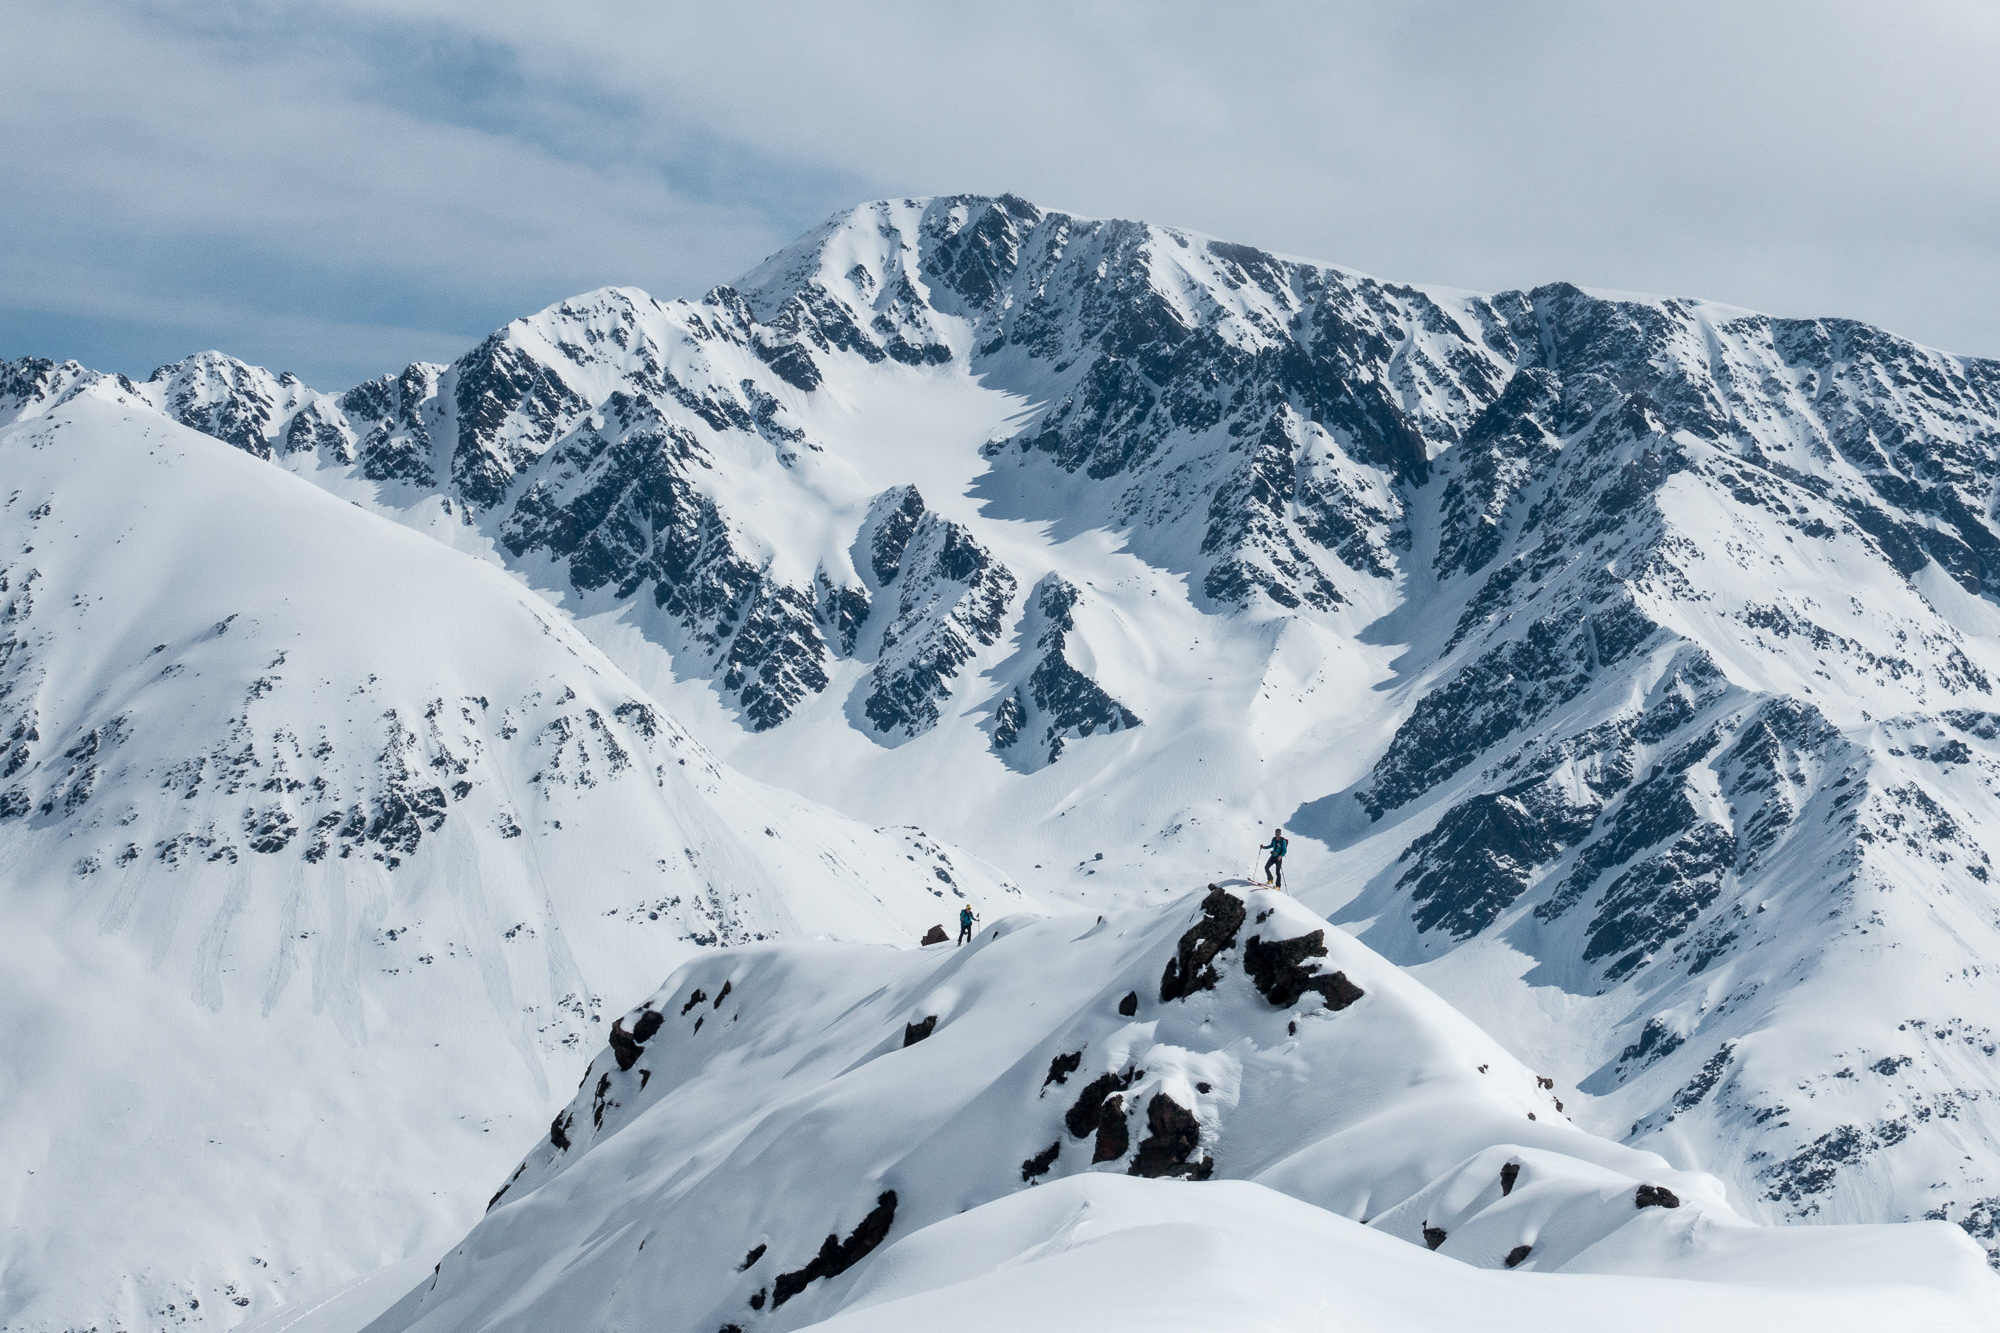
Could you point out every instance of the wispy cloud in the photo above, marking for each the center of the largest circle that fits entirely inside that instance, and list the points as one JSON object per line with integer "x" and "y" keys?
{"x": 356, "y": 183}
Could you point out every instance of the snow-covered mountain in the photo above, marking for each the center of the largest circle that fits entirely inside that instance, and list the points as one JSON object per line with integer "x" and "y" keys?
{"x": 785, "y": 1134}
{"x": 1625, "y": 664}
{"x": 325, "y": 849}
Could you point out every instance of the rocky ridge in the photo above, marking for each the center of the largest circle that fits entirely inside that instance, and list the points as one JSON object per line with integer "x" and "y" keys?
{"x": 740, "y": 1161}
{"x": 292, "y": 800}
{"x": 1694, "y": 695}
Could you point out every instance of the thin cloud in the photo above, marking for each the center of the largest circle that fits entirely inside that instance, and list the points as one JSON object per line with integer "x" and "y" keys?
{"x": 434, "y": 168}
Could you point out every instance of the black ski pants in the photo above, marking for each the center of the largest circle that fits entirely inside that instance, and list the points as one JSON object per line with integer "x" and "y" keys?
{"x": 1274, "y": 870}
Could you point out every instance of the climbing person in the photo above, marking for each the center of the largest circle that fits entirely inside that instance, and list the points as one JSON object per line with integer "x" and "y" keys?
{"x": 965, "y": 920}
{"x": 1274, "y": 865}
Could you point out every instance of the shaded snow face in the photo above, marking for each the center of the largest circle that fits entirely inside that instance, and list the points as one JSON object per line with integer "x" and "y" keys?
{"x": 771, "y": 1136}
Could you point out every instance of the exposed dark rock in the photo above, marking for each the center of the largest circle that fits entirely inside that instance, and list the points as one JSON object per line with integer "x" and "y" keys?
{"x": 1066, "y": 703}
{"x": 623, "y": 1048}
{"x": 935, "y": 935}
{"x": 1113, "y": 1137}
{"x": 751, "y": 1258}
{"x": 1062, "y": 1067}
{"x": 1130, "y": 1004}
{"x": 836, "y": 1256}
{"x": 916, "y": 1032}
{"x": 953, "y": 595}
{"x": 1010, "y": 715}
{"x": 1433, "y": 1236}
{"x": 1508, "y": 1175}
{"x": 1479, "y": 858}
{"x": 501, "y": 1193}
{"x": 1656, "y": 1041}
{"x": 1283, "y": 977}
{"x": 1173, "y": 1133}
{"x": 1084, "y": 1116}
{"x": 720, "y": 996}
{"x": 1813, "y": 1168}
{"x": 1659, "y": 898}
{"x": 559, "y": 1130}
{"x": 1655, "y": 1196}
{"x": 1517, "y": 1254}
{"x": 893, "y": 518}
{"x": 1192, "y": 966}
{"x": 1040, "y": 1163}
{"x": 693, "y": 1000}
{"x": 757, "y": 1299}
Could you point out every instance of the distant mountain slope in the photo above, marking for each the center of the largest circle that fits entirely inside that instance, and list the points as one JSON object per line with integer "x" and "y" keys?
{"x": 1625, "y": 663}
{"x": 322, "y": 850}
{"x": 785, "y": 1133}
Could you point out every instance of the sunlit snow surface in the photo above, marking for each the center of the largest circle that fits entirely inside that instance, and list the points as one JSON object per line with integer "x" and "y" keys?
{"x": 782, "y": 1096}
{"x": 1624, "y": 666}
{"x": 344, "y": 845}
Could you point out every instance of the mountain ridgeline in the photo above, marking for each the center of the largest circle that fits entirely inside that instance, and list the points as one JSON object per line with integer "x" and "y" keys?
{"x": 1692, "y": 703}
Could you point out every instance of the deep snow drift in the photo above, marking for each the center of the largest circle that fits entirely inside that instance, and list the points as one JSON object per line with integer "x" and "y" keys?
{"x": 792, "y": 1133}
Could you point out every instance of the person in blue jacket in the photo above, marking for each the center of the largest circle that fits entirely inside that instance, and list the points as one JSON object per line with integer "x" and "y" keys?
{"x": 1274, "y": 865}
{"x": 965, "y": 920}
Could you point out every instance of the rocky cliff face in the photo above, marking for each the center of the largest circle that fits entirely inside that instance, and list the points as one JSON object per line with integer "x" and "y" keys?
{"x": 1683, "y": 616}
{"x": 1057, "y": 702}
{"x": 1717, "y": 670}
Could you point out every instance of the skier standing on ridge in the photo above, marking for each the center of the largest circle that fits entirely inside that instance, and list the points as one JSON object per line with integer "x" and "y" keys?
{"x": 965, "y": 920}
{"x": 1276, "y": 861}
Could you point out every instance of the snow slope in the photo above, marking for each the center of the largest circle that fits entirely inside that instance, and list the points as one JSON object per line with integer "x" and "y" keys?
{"x": 1109, "y": 1252}
{"x": 323, "y": 849}
{"x": 1623, "y": 664}
{"x": 787, "y": 1134}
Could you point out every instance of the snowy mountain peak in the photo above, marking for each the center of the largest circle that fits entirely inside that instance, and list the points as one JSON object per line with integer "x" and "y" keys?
{"x": 770, "y": 1137}
{"x": 1624, "y": 666}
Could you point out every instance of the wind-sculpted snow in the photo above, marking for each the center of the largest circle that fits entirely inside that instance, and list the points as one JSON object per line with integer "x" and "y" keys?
{"x": 325, "y": 847}
{"x": 764, "y": 1145}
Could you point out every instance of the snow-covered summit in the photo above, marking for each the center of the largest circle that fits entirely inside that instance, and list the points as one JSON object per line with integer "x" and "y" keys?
{"x": 768, "y": 1140}
{"x": 1624, "y": 664}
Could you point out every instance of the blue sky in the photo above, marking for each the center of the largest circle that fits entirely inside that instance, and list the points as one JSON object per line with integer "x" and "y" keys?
{"x": 340, "y": 188}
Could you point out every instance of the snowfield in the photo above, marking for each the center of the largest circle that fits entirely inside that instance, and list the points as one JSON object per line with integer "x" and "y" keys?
{"x": 331, "y": 847}
{"x": 1071, "y": 1120}
{"x": 1623, "y": 669}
